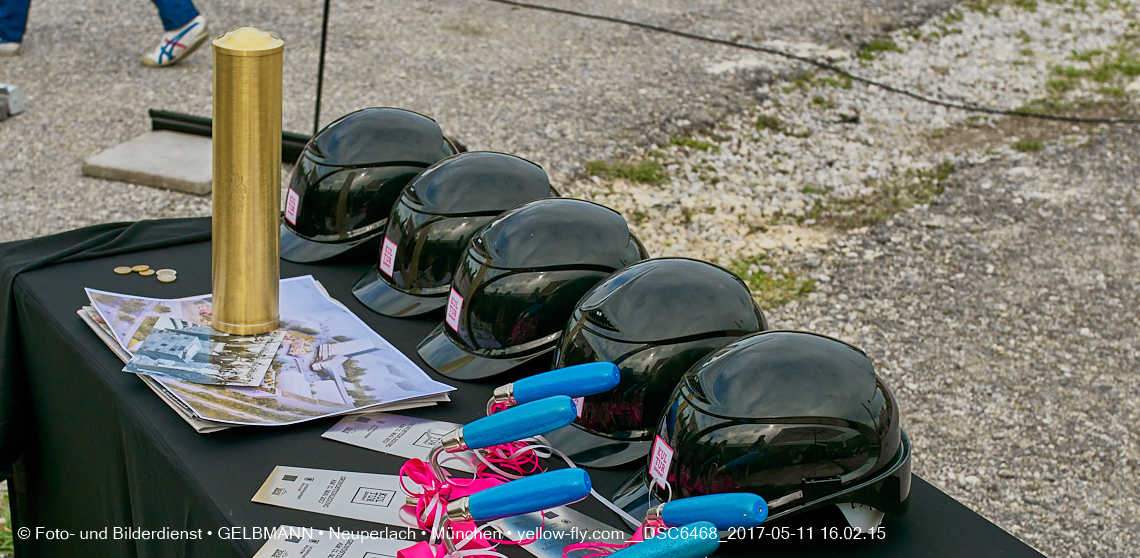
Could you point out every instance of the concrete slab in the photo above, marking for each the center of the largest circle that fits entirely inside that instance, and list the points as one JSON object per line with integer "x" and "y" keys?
{"x": 161, "y": 159}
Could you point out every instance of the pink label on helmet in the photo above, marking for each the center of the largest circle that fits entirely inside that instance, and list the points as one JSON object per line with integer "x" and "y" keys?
{"x": 454, "y": 305}
{"x": 578, "y": 401}
{"x": 292, "y": 200}
{"x": 388, "y": 257}
{"x": 659, "y": 461}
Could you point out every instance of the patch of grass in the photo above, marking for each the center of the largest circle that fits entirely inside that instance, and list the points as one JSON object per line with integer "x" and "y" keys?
{"x": 6, "y": 544}
{"x": 1027, "y": 145}
{"x": 938, "y": 134}
{"x": 802, "y": 82}
{"x": 1115, "y": 64}
{"x": 878, "y": 45}
{"x": 1042, "y": 106}
{"x": 1028, "y": 5}
{"x": 822, "y": 102}
{"x": 952, "y": 17}
{"x": 766, "y": 122}
{"x": 1111, "y": 91}
{"x": 771, "y": 289}
{"x": 889, "y": 198}
{"x": 647, "y": 172}
{"x": 813, "y": 190}
{"x": 1085, "y": 55}
{"x": 693, "y": 143}
{"x": 991, "y": 7}
{"x": 842, "y": 82}
{"x": 1024, "y": 37}
{"x": 1062, "y": 85}
{"x": 1027, "y": 52}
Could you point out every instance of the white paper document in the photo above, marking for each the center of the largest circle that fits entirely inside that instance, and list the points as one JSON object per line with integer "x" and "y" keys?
{"x": 329, "y": 362}
{"x": 363, "y": 496}
{"x": 561, "y": 527}
{"x": 408, "y": 437}
{"x": 307, "y": 542}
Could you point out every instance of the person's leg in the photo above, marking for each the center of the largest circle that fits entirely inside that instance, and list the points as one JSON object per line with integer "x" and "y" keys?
{"x": 13, "y": 20}
{"x": 174, "y": 13}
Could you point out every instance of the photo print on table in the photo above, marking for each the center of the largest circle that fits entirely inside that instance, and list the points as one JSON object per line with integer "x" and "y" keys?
{"x": 199, "y": 354}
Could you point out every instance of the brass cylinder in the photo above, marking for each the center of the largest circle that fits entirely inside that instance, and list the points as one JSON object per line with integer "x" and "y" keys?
{"x": 247, "y": 181}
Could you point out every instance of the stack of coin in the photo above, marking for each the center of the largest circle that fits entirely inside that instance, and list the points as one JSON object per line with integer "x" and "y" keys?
{"x": 164, "y": 275}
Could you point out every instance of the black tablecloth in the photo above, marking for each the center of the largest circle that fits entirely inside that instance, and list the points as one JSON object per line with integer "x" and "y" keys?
{"x": 99, "y": 449}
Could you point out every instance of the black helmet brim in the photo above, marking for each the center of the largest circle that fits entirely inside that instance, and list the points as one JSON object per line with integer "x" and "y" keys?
{"x": 888, "y": 491}
{"x": 588, "y": 449}
{"x": 379, "y": 296}
{"x": 302, "y": 250}
{"x": 453, "y": 361}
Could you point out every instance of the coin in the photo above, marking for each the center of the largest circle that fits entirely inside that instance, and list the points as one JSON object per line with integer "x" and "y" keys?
{"x": 168, "y": 272}
{"x": 167, "y": 278}
{"x": 140, "y": 268}
{"x": 146, "y": 272}
{"x": 123, "y": 270}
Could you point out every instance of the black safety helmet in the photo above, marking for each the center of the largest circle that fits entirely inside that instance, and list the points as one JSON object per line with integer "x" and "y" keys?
{"x": 349, "y": 176}
{"x": 436, "y": 216}
{"x": 519, "y": 281}
{"x": 798, "y": 418}
{"x": 654, "y": 320}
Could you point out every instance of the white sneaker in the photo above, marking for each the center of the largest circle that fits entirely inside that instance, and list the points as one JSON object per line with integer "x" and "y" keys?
{"x": 8, "y": 48}
{"x": 178, "y": 44}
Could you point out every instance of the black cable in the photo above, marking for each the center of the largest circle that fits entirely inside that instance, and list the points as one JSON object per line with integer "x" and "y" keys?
{"x": 321, "y": 68}
{"x": 819, "y": 64}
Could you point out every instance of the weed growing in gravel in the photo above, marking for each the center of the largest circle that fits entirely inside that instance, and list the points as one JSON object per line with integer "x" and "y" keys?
{"x": 889, "y": 198}
{"x": 693, "y": 143}
{"x": 878, "y": 45}
{"x": 842, "y": 82}
{"x": 1027, "y": 145}
{"x": 648, "y": 172}
{"x": 992, "y": 7}
{"x": 770, "y": 287}
{"x": 1043, "y": 106}
{"x": 767, "y": 122}
{"x": 1105, "y": 66}
{"x": 822, "y": 102}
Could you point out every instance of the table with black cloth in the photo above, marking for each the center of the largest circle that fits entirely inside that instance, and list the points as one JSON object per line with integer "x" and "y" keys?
{"x": 98, "y": 449}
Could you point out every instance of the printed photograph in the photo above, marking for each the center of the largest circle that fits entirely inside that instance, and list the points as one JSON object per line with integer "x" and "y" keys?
{"x": 199, "y": 354}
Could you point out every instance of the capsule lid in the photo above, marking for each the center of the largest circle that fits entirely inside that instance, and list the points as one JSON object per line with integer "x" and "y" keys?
{"x": 248, "y": 41}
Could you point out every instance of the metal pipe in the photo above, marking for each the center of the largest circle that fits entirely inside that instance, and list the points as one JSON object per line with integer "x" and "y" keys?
{"x": 247, "y": 181}
{"x": 321, "y": 68}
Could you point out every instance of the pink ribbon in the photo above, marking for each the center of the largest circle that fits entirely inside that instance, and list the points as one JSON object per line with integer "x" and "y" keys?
{"x": 435, "y": 493}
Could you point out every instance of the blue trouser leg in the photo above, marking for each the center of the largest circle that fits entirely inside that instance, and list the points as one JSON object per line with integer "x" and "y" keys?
{"x": 174, "y": 13}
{"x": 13, "y": 19}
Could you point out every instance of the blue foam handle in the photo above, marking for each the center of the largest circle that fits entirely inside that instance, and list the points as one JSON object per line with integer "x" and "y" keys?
{"x": 726, "y": 511}
{"x": 530, "y": 494}
{"x": 573, "y": 381}
{"x": 695, "y": 540}
{"x": 523, "y": 421}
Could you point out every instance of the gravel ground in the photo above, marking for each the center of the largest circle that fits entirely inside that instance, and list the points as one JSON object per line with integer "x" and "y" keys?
{"x": 1004, "y": 311}
{"x": 574, "y": 91}
{"x": 1005, "y": 315}
{"x": 1001, "y": 302}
